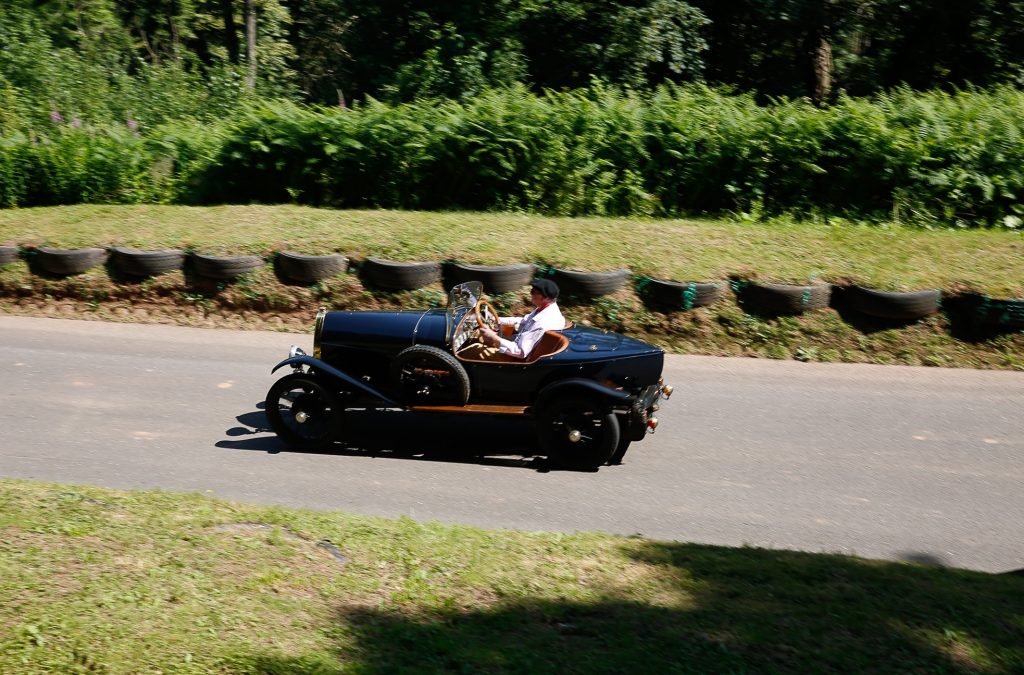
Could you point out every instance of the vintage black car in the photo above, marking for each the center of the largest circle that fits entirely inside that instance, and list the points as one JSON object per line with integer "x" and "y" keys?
{"x": 591, "y": 392}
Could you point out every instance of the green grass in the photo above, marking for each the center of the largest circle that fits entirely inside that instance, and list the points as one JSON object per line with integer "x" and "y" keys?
{"x": 683, "y": 250}
{"x": 95, "y": 580}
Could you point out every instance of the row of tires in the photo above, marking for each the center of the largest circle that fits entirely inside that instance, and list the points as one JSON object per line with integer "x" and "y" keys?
{"x": 767, "y": 298}
{"x": 137, "y": 263}
{"x": 383, "y": 274}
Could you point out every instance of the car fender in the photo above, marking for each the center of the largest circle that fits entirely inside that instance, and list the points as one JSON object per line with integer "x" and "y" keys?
{"x": 330, "y": 371}
{"x": 582, "y": 385}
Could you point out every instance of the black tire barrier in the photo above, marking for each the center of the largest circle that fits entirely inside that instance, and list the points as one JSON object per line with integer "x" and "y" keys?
{"x": 399, "y": 276}
{"x": 225, "y": 267}
{"x": 8, "y": 254}
{"x": 1000, "y": 313}
{"x": 770, "y": 298}
{"x": 66, "y": 262}
{"x": 587, "y": 284}
{"x": 495, "y": 278}
{"x": 310, "y": 269}
{"x": 900, "y": 306}
{"x": 136, "y": 263}
{"x": 680, "y": 294}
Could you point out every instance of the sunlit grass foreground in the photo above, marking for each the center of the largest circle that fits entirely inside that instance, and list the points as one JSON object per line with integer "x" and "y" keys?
{"x": 95, "y": 580}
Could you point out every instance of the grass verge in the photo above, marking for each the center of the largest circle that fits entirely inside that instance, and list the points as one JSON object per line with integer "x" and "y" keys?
{"x": 95, "y": 580}
{"x": 986, "y": 261}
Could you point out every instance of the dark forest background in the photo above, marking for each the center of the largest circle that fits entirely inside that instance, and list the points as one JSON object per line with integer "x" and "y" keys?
{"x": 160, "y": 59}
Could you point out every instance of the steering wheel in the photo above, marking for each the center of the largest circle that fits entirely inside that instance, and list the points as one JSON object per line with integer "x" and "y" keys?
{"x": 487, "y": 316}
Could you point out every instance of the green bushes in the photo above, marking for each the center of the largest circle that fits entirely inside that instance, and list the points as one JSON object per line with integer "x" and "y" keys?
{"x": 933, "y": 158}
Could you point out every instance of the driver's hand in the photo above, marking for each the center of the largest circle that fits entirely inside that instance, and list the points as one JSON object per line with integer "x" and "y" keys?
{"x": 488, "y": 337}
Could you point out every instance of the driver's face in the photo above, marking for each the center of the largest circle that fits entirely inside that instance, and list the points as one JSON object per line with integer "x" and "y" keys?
{"x": 537, "y": 298}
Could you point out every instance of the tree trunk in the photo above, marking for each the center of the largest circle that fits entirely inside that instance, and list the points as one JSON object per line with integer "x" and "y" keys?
{"x": 175, "y": 40}
{"x": 227, "y": 12}
{"x": 822, "y": 71}
{"x": 817, "y": 42}
{"x": 250, "y": 44}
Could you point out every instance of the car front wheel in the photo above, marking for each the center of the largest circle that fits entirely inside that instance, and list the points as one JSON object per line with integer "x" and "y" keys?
{"x": 302, "y": 412}
{"x": 579, "y": 432}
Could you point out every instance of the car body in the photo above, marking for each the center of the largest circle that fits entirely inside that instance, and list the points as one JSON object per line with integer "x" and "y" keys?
{"x": 592, "y": 392}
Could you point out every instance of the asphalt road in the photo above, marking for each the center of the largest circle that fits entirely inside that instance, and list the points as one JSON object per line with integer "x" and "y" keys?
{"x": 883, "y": 462}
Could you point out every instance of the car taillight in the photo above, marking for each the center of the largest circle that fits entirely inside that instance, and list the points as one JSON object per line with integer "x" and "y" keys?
{"x": 652, "y": 424}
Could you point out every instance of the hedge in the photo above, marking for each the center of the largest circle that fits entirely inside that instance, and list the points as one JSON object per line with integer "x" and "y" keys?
{"x": 933, "y": 158}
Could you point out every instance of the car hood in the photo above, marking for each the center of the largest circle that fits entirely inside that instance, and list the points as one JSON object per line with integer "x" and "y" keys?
{"x": 384, "y": 328}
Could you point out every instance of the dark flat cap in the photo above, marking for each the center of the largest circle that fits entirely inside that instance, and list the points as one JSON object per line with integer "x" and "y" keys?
{"x": 546, "y": 287}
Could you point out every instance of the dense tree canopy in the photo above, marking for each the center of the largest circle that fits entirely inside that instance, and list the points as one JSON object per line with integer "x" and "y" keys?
{"x": 772, "y": 46}
{"x": 158, "y": 59}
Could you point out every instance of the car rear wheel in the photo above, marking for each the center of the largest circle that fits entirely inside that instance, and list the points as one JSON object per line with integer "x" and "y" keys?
{"x": 578, "y": 431}
{"x": 620, "y": 451}
{"x": 302, "y": 412}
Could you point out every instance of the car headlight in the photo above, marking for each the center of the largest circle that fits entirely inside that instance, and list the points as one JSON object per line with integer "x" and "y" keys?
{"x": 294, "y": 351}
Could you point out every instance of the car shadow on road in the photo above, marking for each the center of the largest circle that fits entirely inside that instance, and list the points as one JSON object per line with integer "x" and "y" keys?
{"x": 487, "y": 440}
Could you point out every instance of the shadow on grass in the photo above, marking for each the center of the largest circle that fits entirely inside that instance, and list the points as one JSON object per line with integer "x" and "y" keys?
{"x": 731, "y": 610}
{"x": 465, "y": 439}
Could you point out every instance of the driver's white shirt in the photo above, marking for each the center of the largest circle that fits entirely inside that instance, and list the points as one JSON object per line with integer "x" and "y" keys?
{"x": 530, "y": 329}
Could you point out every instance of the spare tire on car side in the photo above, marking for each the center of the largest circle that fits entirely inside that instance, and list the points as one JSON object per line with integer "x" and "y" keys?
{"x": 495, "y": 278}
{"x": 903, "y": 306}
{"x": 589, "y": 284}
{"x": 399, "y": 276}
{"x": 225, "y": 267}
{"x": 310, "y": 268}
{"x": 65, "y": 262}
{"x": 771, "y": 298}
{"x": 427, "y": 375}
{"x": 680, "y": 295}
{"x": 136, "y": 263}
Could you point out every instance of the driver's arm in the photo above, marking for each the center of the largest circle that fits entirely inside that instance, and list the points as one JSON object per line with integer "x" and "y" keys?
{"x": 524, "y": 342}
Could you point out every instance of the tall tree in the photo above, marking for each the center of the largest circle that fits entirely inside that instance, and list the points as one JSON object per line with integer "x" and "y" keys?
{"x": 250, "y": 45}
{"x": 779, "y": 47}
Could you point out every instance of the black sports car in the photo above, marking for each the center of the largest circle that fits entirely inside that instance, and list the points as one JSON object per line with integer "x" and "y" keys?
{"x": 591, "y": 392}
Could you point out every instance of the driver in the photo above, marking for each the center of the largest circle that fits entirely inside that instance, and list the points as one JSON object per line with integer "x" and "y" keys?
{"x": 530, "y": 328}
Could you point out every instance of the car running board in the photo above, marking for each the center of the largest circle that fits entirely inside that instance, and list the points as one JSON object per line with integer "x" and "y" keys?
{"x": 479, "y": 409}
